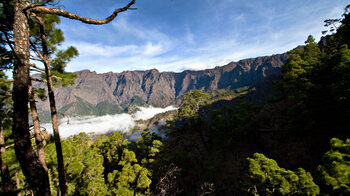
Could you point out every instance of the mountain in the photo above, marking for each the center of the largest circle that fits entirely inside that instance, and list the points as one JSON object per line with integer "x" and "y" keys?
{"x": 109, "y": 93}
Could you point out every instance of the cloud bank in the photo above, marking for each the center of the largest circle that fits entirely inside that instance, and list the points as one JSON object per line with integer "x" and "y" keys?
{"x": 158, "y": 129}
{"x": 122, "y": 123}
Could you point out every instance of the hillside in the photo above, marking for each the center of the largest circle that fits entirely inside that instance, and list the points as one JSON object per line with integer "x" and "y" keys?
{"x": 109, "y": 93}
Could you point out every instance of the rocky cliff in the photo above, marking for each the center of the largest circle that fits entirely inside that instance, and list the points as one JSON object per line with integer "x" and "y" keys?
{"x": 98, "y": 94}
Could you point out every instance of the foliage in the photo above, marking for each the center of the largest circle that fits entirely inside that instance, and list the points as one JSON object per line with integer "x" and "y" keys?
{"x": 296, "y": 73}
{"x": 315, "y": 80}
{"x": 191, "y": 103}
{"x": 334, "y": 173}
{"x": 228, "y": 123}
{"x": 62, "y": 58}
{"x": 218, "y": 94}
{"x": 127, "y": 164}
{"x": 83, "y": 166}
{"x": 265, "y": 177}
{"x": 62, "y": 78}
{"x": 54, "y": 37}
{"x": 6, "y": 21}
{"x": 132, "y": 176}
{"x": 5, "y": 96}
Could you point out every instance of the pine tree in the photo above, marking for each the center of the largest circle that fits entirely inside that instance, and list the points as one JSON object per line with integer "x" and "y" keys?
{"x": 35, "y": 173}
{"x": 334, "y": 173}
{"x": 315, "y": 81}
{"x": 265, "y": 177}
{"x": 47, "y": 35}
{"x": 83, "y": 166}
{"x": 191, "y": 103}
{"x": 5, "y": 110}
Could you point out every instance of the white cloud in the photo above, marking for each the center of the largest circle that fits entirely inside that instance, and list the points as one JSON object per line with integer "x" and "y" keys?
{"x": 189, "y": 36}
{"x": 146, "y": 113}
{"x": 138, "y": 32}
{"x": 152, "y": 50}
{"x": 158, "y": 129}
{"x": 122, "y": 123}
{"x": 96, "y": 49}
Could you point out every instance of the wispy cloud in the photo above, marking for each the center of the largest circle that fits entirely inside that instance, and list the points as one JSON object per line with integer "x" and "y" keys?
{"x": 122, "y": 123}
{"x": 87, "y": 49}
{"x": 182, "y": 38}
{"x": 153, "y": 49}
{"x": 189, "y": 36}
{"x": 146, "y": 113}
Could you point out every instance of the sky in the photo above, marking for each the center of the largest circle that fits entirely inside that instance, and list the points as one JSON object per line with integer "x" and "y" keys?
{"x": 177, "y": 35}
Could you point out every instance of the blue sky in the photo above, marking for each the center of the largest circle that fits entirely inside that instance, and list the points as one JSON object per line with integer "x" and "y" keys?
{"x": 174, "y": 35}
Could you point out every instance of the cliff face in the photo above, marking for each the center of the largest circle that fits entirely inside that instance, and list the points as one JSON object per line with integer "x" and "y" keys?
{"x": 116, "y": 91}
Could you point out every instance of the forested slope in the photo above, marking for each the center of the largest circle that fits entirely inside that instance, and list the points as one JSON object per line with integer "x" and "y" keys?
{"x": 310, "y": 106}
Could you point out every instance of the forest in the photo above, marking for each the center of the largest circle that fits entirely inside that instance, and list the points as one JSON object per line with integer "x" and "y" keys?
{"x": 296, "y": 142}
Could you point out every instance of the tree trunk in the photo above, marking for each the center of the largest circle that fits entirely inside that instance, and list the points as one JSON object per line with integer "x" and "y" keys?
{"x": 54, "y": 119}
{"x": 5, "y": 174}
{"x": 18, "y": 184}
{"x": 38, "y": 139}
{"x": 34, "y": 172}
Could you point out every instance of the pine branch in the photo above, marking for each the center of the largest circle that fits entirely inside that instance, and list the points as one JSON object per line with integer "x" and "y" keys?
{"x": 37, "y": 52}
{"x": 35, "y": 58}
{"x": 9, "y": 43}
{"x": 36, "y": 67}
{"x": 60, "y": 12}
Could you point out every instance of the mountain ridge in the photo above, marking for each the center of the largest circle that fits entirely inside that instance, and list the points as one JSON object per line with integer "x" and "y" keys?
{"x": 109, "y": 93}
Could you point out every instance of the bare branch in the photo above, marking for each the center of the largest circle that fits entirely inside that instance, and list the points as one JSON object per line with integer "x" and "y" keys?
{"x": 60, "y": 12}
{"x": 36, "y": 67}
{"x": 37, "y": 52}
{"x": 35, "y": 70}
{"x": 35, "y": 58}
{"x": 56, "y": 77}
{"x": 64, "y": 115}
{"x": 5, "y": 58}
{"x": 37, "y": 80}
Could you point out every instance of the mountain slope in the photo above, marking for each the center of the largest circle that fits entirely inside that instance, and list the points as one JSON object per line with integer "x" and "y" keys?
{"x": 94, "y": 94}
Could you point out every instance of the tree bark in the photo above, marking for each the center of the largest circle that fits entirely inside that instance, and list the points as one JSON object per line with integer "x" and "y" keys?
{"x": 34, "y": 172}
{"x": 5, "y": 174}
{"x": 37, "y": 133}
{"x": 18, "y": 184}
{"x": 54, "y": 119}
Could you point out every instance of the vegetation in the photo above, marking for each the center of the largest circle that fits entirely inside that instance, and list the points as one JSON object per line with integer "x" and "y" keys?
{"x": 311, "y": 106}
{"x": 209, "y": 141}
{"x": 105, "y": 166}
{"x": 265, "y": 177}
{"x": 191, "y": 103}
{"x": 334, "y": 172}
